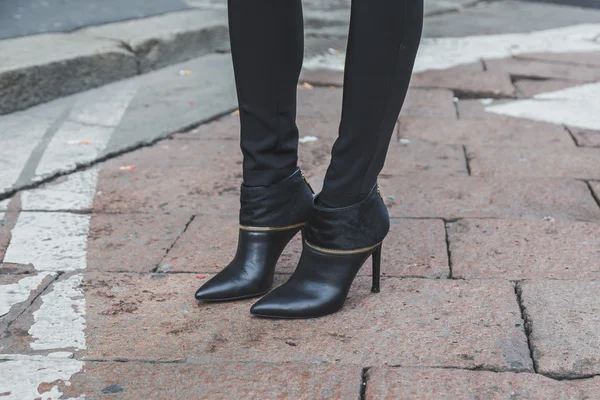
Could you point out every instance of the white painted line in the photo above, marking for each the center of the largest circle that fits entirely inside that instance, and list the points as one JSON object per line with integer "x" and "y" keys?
{"x": 83, "y": 138}
{"x": 61, "y": 156}
{"x": 57, "y": 241}
{"x": 19, "y": 135}
{"x": 15, "y": 293}
{"x": 59, "y": 323}
{"x": 443, "y": 53}
{"x": 577, "y": 106}
{"x": 103, "y": 106}
{"x": 3, "y": 207}
{"x": 75, "y": 192}
{"x": 51, "y": 241}
{"x": 22, "y": 378}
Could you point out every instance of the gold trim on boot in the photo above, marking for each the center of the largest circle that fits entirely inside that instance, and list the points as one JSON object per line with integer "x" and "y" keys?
{"x": 270, "y": 229}
{"x": 341, "y": 252}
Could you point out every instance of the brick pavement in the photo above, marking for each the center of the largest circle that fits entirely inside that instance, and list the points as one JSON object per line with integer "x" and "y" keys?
{"x": 490, "y": 269}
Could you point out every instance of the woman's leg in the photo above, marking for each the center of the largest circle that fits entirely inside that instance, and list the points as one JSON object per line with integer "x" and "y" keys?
{"x": 350, "y": 220}
{"x": 382, "y": 45}
{"x": 275, "y": 201}
{"x": 267, "y": 46}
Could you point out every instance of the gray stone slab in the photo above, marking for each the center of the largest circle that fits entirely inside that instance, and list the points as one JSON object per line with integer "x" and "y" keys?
{"x": 27, "y": 17}
{"x": 171, "y": 38}
{"x": 564, "y": 320}
{"x": 163, "y": 102}
{"x": 40, "y": 68}
{"x": 167, "y": 102}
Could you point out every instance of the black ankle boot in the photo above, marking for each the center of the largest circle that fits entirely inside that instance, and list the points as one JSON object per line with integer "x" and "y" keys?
{"x": 269, "y": 218}
{"x": 337, "y": 242}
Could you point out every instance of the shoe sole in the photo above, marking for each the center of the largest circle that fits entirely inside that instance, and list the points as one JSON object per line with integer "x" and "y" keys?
{"x": 248, "y": 296}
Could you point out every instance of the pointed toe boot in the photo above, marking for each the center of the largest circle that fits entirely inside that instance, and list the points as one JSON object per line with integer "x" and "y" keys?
{"x": 270, "y": 216}
{"x": 337, "y": 242}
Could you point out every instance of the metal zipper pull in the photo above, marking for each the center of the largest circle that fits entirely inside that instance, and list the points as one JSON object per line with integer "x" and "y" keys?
{"x": 307, "y": 183}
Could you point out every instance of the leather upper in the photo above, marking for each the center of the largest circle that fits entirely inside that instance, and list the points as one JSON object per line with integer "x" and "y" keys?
{"x": 282, "y": 204}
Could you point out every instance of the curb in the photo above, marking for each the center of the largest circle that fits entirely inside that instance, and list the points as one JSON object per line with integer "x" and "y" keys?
{"x": 40, "y": 68}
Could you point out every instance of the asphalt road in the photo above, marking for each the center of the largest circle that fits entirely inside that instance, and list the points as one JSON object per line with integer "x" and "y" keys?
{"x": 27, "y": 17}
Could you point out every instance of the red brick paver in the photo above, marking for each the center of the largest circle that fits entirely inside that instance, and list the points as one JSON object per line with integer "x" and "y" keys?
{"x": 496, "y": 197}
{"x": 585, "y": 137}
{"x": 512, "y": 249}
{"x": 134, "y": 380}
{"x": 467, "y": 80}
{"x": 442, "y": 384}
{"x": 132, "y": 242}
{"x": 417, "y": 322}
{"x": 578, "y": 163}
{"x": 564, "y": 319}
{"x": 490, "y": 132}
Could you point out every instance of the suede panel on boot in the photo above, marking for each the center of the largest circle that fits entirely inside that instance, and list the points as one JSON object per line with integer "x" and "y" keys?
{"x": 349, "y": 228}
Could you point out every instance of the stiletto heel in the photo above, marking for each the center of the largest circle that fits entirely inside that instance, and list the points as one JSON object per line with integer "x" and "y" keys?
{"x": 376, "y": 270}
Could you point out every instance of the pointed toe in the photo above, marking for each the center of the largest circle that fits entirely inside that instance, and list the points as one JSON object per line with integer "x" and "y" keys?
{"x": 230, "y": 290}
{"x": 209, "y": 292}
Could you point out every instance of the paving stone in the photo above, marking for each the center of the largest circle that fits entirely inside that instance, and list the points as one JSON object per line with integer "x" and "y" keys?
{"x": 420, "y": 157}
{"x": 63, "y": 64}
{"x": 320, "y": 103}
{"x": 585, "y": 137}
{"x": 530, "y": 87}
{"x": 429, "y": 103}
{"x": 169, "y": 38}
{"x": 524, "y": 249}
{"x": 412, "y": 248}
{"x": 564, "y": 319}
{"x": 133, "y": 380}
{"x": 545, "y": 70}
{"x": 595, "y": 185}
{"x": 16, "y": 269}
{"x": 496, "y": 161}
{"x": 172, "y": 176}
{"x": 17, "y": 292}
{"x": 589, "y": 58}
{"x": 475, "y": 109}
{"x": 322, "y": 77}
{"x": 415, "y": 248}
{"x": 507, "y": 133}
{"x": 466, "y": 81}
{"x": 226, "y": 127}
{"x": 132, "y": 242}
{"x": 441, "y": 384}
{"x": 465, "y": 324}
{"x": 501, "y": 197}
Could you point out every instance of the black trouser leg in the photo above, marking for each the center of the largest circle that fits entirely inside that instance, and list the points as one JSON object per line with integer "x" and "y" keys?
{"x": 267, "y": 47}
{"x": 382, "y": 46}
